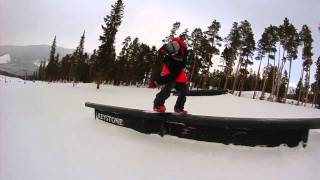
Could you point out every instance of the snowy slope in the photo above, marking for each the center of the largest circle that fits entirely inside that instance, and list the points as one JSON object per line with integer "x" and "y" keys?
{"x": 46, "y": 132}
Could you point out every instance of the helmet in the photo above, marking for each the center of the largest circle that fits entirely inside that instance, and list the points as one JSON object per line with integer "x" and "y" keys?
{"x": 173, "y": 47}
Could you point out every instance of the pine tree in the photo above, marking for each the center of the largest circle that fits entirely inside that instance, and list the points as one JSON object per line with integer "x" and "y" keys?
{"x": 143, "y": 65}
{"x": 57, "y": 69}
{"x": 122, "y": 62}
{"x": 195, "y": 57}
{"x": 247, "y": 50}
{"x": 283, "y": 85}
{"x": 73, "y": 68}
{"x": 249, "y": 83}
{"x": 267, "y": 46}
{"x": 185, "y": 36}
{"x": 78, "y": 66}
{"x": 234, "y": 42}
{"x": 270, "y": 80}
{"x": 317, "y": 79}
{"x": 292, "y": 46}
{"x": 173, "y": 32}
{"x": 52, "y": 67}
{"x": 84, "y": 69}
{"x": 306, "y": 39}
{"x": 132, "y": 60}
{"x": 65, "y": 68}
{"x": 201, "y": 58}
{"x": 211, "y": 44}
{"x": 213, "y": 35}
{"x": 289, "y": 40}
{"x": 283, "y": 38}
{"x": 259, "y": 57}
{"x": 81, "y": 62}
{"x": 40, "y": 71}
{"x": 43, "y": 70}
{"x": 91, "y": 63}
{"x": 156, "y": 63}
{"x": 298, "y": 90}
{"x": 106, "y": 51}
{"x": 228, "y": 57}
{"x": 53, "y": 50}
{"x": 272, "y": 49}
{"x": 206, "y": 53}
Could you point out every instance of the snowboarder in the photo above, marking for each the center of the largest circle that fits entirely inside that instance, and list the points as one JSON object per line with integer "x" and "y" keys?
{"x": 173, "y": 76}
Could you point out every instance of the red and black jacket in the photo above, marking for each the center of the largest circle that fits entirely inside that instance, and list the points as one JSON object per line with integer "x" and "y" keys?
{"x": 174, "y": 66}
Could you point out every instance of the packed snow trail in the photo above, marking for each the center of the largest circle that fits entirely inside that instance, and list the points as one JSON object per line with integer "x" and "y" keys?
{"x": 46, "y": 132}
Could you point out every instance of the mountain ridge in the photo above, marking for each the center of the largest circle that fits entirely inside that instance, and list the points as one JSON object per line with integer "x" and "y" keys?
{"x": 26, "y": 58}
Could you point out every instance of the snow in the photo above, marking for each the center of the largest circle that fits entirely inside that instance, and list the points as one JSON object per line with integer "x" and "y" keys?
{"x": 46, "y": 132}
{"x": 5, "y": 59}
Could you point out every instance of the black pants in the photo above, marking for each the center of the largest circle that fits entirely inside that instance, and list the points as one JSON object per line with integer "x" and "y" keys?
{"x": 166, "y": 91}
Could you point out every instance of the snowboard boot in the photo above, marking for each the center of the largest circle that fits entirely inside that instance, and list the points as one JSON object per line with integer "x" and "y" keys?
{"x": 180, "y": 111}
{"x": 160, "y": 109}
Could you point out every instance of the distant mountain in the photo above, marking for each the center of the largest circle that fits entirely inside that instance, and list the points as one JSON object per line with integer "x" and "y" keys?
{"x": 26, "y": 59}
{"x": 9, "y": 74}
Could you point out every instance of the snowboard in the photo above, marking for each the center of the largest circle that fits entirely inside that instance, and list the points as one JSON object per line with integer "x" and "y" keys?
{"x": 170, "y": 113}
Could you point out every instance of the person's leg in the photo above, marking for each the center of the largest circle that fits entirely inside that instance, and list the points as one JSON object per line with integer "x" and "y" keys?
{"x": 181, "y": 100}
{"x": 163, "y": 95}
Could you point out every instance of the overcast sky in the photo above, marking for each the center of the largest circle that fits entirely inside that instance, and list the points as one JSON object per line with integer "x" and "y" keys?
{"x": 25, "y": 22}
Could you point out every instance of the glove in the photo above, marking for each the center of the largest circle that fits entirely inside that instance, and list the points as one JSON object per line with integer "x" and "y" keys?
{"x": 152, "y": 84}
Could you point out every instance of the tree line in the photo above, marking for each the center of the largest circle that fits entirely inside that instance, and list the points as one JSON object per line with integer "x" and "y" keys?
{"x": 138, "y": 63}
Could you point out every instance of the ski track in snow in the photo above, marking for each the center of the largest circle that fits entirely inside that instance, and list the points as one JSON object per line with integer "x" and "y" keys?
{"x": 46, "y": 132}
